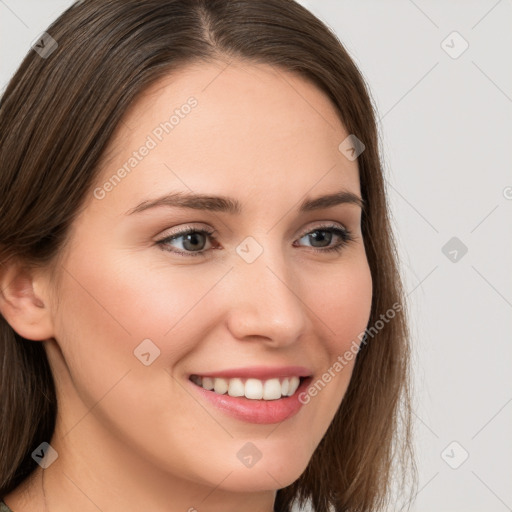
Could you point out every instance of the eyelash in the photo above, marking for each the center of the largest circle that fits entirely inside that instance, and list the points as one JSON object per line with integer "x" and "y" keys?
{"x": 345, "y": 235}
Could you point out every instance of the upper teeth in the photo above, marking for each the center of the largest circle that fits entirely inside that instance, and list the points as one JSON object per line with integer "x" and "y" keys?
{"x": 254, "y": 389}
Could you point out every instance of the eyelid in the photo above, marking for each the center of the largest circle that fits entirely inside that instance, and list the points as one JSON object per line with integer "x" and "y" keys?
{"x": 184, "y": 228}
{"x": 324, "y": 225}
{"x": 189, "y": 227}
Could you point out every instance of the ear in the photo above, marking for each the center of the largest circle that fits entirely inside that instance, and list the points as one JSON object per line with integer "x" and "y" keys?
{"x": 26, "y": 311}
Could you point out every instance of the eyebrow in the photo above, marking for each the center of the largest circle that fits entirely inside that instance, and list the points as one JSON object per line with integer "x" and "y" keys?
{"x": 234, "y": 207}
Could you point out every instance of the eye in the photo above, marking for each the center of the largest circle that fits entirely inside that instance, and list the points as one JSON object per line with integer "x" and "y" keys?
{"x": 194, "y": 240}
{"x": 317, "y": 236}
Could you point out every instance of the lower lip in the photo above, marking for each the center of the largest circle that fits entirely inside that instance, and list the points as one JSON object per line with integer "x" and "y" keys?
{"x": 256, "y": 411}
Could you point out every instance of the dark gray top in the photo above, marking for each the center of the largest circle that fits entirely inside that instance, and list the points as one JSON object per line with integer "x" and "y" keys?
{"x": 4, "y": 507}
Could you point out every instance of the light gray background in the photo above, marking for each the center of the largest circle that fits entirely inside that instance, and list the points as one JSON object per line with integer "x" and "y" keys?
{"x": 446, "y": 128}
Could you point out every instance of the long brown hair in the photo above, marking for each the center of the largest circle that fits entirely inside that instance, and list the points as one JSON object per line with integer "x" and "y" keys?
{"x": 57, "y": 115}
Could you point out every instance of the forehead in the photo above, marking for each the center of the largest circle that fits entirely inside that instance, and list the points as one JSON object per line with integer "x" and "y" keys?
{"x": 240, "y": 129}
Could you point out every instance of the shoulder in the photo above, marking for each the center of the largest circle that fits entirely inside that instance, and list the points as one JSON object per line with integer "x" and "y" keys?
{"x": 4, "y": 507}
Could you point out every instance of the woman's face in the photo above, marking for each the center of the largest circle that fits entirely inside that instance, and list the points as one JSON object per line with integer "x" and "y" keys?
{"x": 142, "y": 307}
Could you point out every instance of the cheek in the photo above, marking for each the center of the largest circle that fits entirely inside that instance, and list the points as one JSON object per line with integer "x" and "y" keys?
{"x": 126, "y": 300}
{"x": 344, "y": 306}
{"x": 344, "y": 311}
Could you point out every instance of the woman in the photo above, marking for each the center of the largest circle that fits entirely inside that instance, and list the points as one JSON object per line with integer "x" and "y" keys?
{"x": 201, "y": 308}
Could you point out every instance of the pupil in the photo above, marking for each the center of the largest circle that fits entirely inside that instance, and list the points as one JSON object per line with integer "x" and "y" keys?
{"x": 192, "y": 237}
{"x": 322, "y": 238}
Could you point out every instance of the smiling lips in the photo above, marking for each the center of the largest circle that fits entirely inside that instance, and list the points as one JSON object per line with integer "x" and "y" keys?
{"x": 257, "y": 394}
{"x": 253, "y": 389}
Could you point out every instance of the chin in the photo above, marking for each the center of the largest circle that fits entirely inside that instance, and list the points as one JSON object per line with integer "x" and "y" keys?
{"x": 272, "y": 474}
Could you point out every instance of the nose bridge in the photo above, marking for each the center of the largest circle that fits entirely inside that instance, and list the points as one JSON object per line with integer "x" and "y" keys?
{"x": 268, "y": 303}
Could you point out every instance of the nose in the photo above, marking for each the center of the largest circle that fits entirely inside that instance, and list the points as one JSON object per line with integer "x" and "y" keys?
{"x": 265, "y": 301}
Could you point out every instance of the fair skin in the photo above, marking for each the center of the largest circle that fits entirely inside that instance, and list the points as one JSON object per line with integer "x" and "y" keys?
{"x": 131, "y": 436}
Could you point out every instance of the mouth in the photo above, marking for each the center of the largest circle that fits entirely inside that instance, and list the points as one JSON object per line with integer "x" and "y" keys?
{"x": 256, "y": 395}
{"x": 250, "y": 388}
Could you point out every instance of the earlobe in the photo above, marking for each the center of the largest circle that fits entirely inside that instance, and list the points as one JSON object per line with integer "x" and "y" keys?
{"x": 26, "y": 312}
